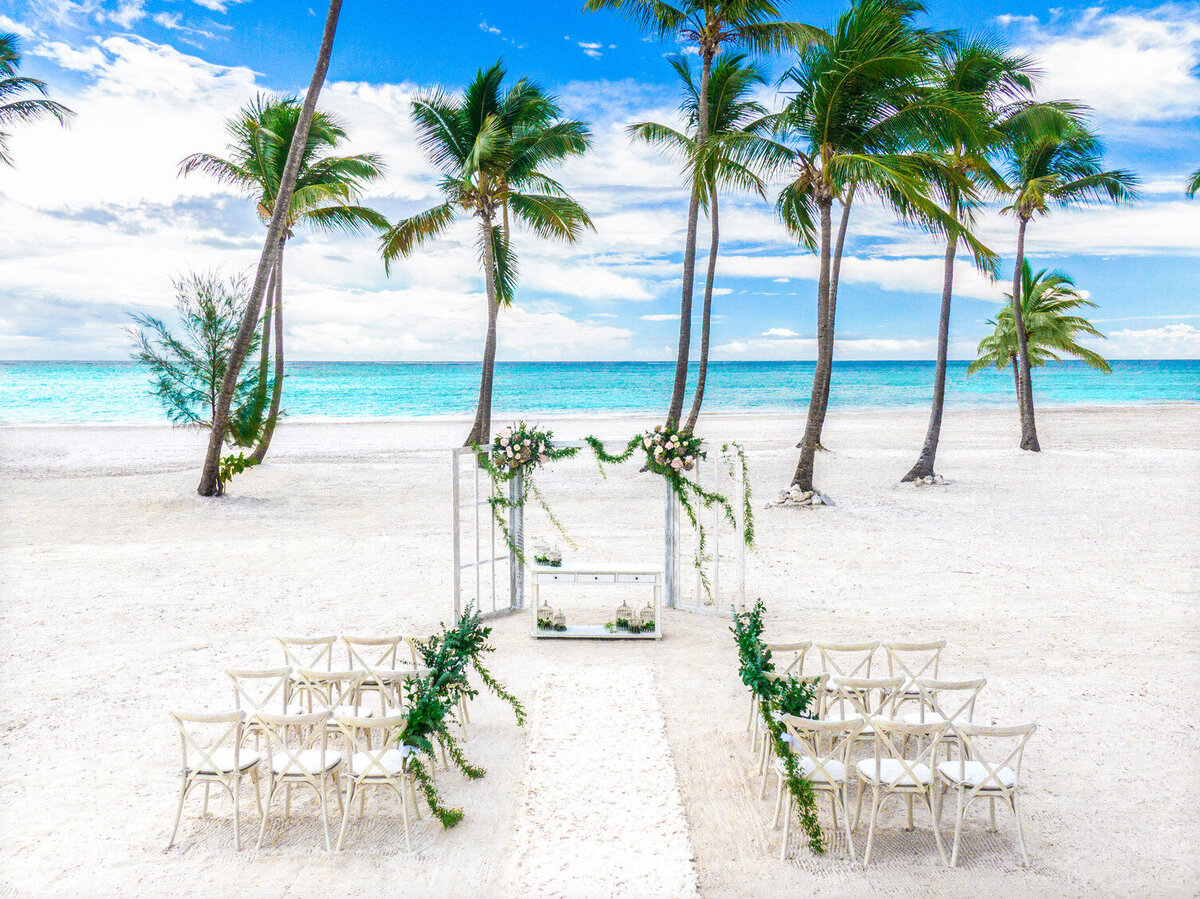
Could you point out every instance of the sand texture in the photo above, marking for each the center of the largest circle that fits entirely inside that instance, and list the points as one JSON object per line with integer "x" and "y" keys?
{"x": 1068, "y": 579}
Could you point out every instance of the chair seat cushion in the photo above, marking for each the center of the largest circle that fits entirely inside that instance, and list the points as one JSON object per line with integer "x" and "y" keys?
{"x": 307, "y": 761}
{"x": 849, "y": 714}
{"x": 831, "y": 772}
{"x": 223, "y": 760}
{"x": 892, "y": 772}
{"x": 369, "y": 764}
{"x": 972, "y": 774}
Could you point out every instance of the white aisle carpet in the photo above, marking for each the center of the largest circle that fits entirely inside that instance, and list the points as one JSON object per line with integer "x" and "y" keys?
{"x": 602, "y": 814}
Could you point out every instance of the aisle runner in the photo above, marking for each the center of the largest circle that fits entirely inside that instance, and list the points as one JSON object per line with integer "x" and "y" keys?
{"x": 602, "y": 814}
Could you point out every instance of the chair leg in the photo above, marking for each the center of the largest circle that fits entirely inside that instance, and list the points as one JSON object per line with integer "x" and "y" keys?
{"x": 237, "y": 812}
{"x": 262, "y": 828}
{"x": 958, "y": 823}
{"x": 910, "y": 811}
{"x": 787, "y": 821}
{"x": 349, "y": 804}
{"x": 404, "y": 814}
{"x": 937, "y": 830}
{"x": 412, "y": 791}
{"x": 204, "y": 809}
{"x": 846, "y": 821}
{"x": 871, "y": 827}
{"x": 178, "y": 813}
{"x": 778, "y": 804}
{"x": 323, "y": 800}
{"x": 833, "y": 809}
{"x": 858, "y": 805}
{"x": 992, "y": 803}
{"x": 257, "y": 792}
{"x": 287, "y": 800}
{"x": 337, "y": 790}
{"x": 1020, "y": 830}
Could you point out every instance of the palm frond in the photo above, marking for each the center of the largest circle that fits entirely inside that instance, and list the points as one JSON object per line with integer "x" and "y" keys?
{"x": 407, "y": 234}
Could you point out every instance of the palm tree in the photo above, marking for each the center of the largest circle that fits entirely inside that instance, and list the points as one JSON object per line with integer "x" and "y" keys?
{"x": 1056, "y": 163}
{"x": 324, "y": 198}
{"x": 734, "y": 125}
{"x": 1193, "y": 185}
{"x": 998, "y": 86}
{"x": 14, "y": 110}
{"x": 210, "y": 480}
{"x": 860, "y": 104}
{"x": 707, "y": 26}
{"x": 1047, "y": 298}
{"x": 492, "y": 148}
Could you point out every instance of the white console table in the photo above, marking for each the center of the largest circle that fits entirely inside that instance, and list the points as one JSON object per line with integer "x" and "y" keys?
{"x": 600, "y": 574}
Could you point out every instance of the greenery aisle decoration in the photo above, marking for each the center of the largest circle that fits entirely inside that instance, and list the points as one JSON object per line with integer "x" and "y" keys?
{"x": 520, "y": 450}
{"x": 432, "y": 700}
{"x": 777, "y": 696}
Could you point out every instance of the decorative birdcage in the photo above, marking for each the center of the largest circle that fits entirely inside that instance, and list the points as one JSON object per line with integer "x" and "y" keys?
{"x": 560, "y": 621}
{"x": 624, "y": 615}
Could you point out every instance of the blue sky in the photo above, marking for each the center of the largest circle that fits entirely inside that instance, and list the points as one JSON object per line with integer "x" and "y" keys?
{"x": 94, "y": 222}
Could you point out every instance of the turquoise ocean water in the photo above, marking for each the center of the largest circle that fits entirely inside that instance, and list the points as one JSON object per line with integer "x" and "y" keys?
{"x": 62, "y": 392}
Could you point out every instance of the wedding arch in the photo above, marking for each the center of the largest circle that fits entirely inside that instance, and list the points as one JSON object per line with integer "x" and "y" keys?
{"x": 703, "y": 569}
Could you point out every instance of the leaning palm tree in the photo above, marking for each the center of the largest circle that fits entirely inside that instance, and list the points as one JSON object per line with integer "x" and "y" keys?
{"x": 1056, "y": 163}
{"x": 492, "y": 148}
{"x": 210, "y": 477}
{"x": 13, "y": 108}
{"x": 324, "y": 199}
{"x": 735, "y": 123}
{"x": 997, "y": 86}
{"x": 1047, "y": 299}
{"x": 707, "y": 26}
{"x": 1193, "y": 185}
{"x": 860, "y": 105}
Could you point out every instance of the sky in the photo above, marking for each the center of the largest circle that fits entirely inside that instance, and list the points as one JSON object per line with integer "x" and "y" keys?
{"x": 95, "y": 222}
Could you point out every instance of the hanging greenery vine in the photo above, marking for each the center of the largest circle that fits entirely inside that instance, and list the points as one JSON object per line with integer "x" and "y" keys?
{"x": 775, "y": 696}
{"x": 432, "y": 700}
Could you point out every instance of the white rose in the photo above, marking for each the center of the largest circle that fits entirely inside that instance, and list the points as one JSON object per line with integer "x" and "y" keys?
{"x": 504, "y": 441}
{"x": 506, "y": 433}
{"x": 510, "y": 452}
{"x": 544, "y": 458}
{"x": 646, "y": 442}
{"x": 677, "y": 464}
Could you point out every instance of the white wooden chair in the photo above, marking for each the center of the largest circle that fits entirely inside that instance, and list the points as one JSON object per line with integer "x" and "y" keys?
{"x": 329, "y": 691}
{"x": 864, "y": 697}
{"x": 788, "y": 658}
{"x": 767, "y": 751}
{"x": 308, "y": 653}
{"x": 259, "y": 690}
{"x": 377, "y": 657}
{"x": 946, "y": 700}
{"x": 298, "y": 746}
{"x": 913, "y": 660}
{"x": 376, "y": 760}
{"x": 840, "y": 660}
{"x": 219, "y": 759}
{"x": 823, "y": 755}
{"x": 988, "y": 766}
{"x": 889, "y": 771}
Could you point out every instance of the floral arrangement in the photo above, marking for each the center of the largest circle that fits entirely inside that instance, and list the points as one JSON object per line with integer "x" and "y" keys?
{"x": 521, "y": 447}
{"x": 671, "y": 451}
{"x": 548, "y": 556}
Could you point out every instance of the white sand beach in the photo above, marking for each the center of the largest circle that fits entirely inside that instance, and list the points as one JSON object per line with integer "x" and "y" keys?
{"x": 1069, "y": 579}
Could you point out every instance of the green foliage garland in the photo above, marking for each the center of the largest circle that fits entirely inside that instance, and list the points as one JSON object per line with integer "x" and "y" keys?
{"x": 780, "y": 695}
{"x": 469, "y": 639}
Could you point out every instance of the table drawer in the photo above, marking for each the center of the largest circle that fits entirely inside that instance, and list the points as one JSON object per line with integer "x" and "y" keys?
{"x": 544, "y": 577}
{"x": 597, "y": 579}
{"x": 636, "y": 578}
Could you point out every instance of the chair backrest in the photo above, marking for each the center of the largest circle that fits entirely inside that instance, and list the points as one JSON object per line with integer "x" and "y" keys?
{"x": 313, "y": 653}
{"x": 290, "y": 735}
{"x": 201, "y": 734}
{"x": 913, "y": 660}
{"x": 260, "y": 689}
{"x": 815, "y": 683}
{"x": 994, "y": 747}
{"x": 952, "y": 701}
{"x": 789, "y": 657}
{"x": 412, "y": 640}
{"x": 328, "y": 689}
{"x": 847, "y": 659}
{"x": 891, "y": 741}
{"x": 869, "y": 697}
{"x": 823, "y": 742}
{"x": 372, "y": 654}
{"x": 370, "y": 739}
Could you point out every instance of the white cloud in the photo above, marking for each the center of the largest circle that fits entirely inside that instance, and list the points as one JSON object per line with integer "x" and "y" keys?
{"x": 661, "y": 317}
{"x": 779, "y": 332}
{"x": 590, "y": 49}
{"x": 1175, "y": 341}
{"x": 1130, "y": 66}
{"x": 127, "y": 13}
{"x": 11, "y": 25}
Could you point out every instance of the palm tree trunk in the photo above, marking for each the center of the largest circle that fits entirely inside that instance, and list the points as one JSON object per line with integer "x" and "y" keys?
{"x": 481, "y": 429}
{"x": 924, "y": 466}
{"x": 264, "y": 442}
{"x": 210, "y": 484}
{"x": 835, "y": 280}
{"x": 1016, "y": 377}
{"x": 1029, "y": 438}
{"x": 689, "y": 261}
{"x": 264, "y": 357}
{"x": 705, "y": 326}
{"x": 803, "y": 478}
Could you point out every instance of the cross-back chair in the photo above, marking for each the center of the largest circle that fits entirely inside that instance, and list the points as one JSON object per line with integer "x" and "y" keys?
{"x": 329, "y": 691}
{"x": 259, "y": 690}
{"x": 298, "y": 747}
{"x": 946, "y": 700}
{"x": 308, "y": 653}
{"x": 376, "y": 760}
{"x": 840, "y": 660}
{"x": 377, "y": 656}
{"x": 816, "y": 684}
{"x": 988, "y": 766}
{"x": 822, "y": 750}
{"x": 788, "y": 658}
{"x": 868, "y": 698}
{"x": 891, "y": 771}
{"x": 912, "y": 661}
{"x": 212, "y": 753}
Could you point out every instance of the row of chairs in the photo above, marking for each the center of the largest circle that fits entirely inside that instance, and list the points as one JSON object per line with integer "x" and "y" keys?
{"x": 934, "y": 748}
{"x": 296, "y": 709}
